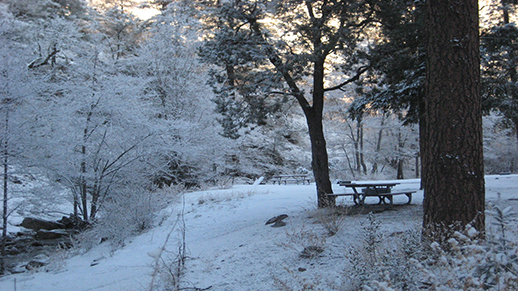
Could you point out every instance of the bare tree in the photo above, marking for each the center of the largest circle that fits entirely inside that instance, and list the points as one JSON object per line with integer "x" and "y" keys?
{"x": 5, "y": 196}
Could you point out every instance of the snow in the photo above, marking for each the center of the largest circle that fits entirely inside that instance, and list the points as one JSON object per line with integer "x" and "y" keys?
{"x": 229, "y": 247}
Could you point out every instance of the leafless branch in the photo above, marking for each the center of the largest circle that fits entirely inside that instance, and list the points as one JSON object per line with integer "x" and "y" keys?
{"x": 356, "y": 77}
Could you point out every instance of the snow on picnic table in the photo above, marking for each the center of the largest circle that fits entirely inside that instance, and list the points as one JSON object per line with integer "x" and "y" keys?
{"x": 229, "y": 247}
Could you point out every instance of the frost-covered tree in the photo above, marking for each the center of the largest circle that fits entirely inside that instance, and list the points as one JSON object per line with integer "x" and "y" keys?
{"x": 282, "y": 49}
{"x": 15, "y": 89}
{"x": 373, "y": 145}
{"x": 92, "y": 131}
{"x": 46, "y": 9}
{"x": 86, "y": 122}
{"x": 189, "y": 148}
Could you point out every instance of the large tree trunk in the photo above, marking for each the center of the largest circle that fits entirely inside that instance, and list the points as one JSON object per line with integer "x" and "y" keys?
{"x": 319, "y": 161}
{"x": 452, "y": 158}
{"x": 314, "y": 116}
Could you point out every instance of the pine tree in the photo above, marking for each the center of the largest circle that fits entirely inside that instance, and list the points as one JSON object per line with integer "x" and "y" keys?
{"x": 452, "y": 152}
{"x": 397, "y": 63}
{"x": 500, "y": 76}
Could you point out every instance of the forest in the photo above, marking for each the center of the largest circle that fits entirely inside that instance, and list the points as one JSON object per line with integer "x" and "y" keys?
{"x": 107, "y": 103}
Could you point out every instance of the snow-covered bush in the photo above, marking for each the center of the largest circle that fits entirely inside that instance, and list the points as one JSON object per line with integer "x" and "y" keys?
{"x": 498, "y": 268}
{"x": 382, "y": 262}
{"x": 127, "y": 214}
{"x": 464, "y": 262}
{"x": 469, "y": 263}
{"x": 308, "y": 242}
{"x": 333, "y": 219}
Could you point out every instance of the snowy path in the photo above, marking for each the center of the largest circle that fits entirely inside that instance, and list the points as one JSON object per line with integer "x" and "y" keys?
{"x": 230, "y": 248}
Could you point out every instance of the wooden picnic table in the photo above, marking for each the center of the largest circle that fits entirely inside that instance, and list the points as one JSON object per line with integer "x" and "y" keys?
{"x": 381, "y": 190}
{"x": 297, "y": 178}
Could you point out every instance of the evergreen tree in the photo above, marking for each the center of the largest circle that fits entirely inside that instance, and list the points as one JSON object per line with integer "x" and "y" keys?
{"x": 500, "y": 76}
{"x": 397, "y": 60}
{"x": 452, "y": 151}
{"x": 282, "y": 49}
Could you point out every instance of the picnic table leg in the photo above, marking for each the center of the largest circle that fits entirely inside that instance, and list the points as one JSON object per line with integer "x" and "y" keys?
{"x": 356, "y": 196}
{"x": 409, "y": 195}
{"x": 381, "y": 197}
{"x": 384, "y": 197}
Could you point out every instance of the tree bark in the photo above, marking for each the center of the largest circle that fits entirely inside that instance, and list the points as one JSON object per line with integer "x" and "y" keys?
{"x": 5, "y": 214}
{"x": 82, "y": 184}
{"x": 314, "y": 116}
{"x": 400, "y": 156}
{"x": 378, "y": 145}
{"x": 400, "y": 168}
{"x": 319, "y": 161}
{"x": 452, "y": 157}
{"x": 417, "y": 165}
{"x": 362, "y": 155}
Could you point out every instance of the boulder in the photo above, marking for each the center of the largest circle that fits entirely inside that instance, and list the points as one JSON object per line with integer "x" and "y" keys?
{"x": 37, "y": 224}
{"x": 32, "y": 265}
{"x": 73, "y": 223}
{"x": 279, "y": 223}
{"x": 45, "y": 234}
{"x": 276, "y": 219}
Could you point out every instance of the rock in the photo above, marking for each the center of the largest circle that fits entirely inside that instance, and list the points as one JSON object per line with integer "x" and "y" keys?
{"x": 41, "y": 258}
{"x": 19, "y": 269}
{"x": 311, "y": 251}
{"x": 67, "y": 222}
{"x": 44, "y": 234}
{"x": 13, "y": 250}
{"x": 37, "y": 224}
{"x": 279, "y": 223}
{"x": 276, "y": 218}
{"x": 96, "y": 261}
{"x": 73, "y": 222}
{"x": 39, "y": 237}
{"x": 32, "y": 265}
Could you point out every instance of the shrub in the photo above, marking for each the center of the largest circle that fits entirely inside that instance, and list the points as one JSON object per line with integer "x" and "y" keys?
{"x": 126, "y": 214}
{"x": 462, "y": 263}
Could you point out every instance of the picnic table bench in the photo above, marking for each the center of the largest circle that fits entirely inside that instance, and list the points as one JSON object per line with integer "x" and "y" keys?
{"x": 295, "y": 178}
{"x": 383, "y": 191}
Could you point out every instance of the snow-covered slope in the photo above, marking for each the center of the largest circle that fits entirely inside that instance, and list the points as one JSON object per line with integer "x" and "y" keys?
{"x": 229, "y": 247}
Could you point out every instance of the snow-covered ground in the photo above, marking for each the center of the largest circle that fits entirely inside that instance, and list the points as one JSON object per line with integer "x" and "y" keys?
{"x": 229, "y": 247}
